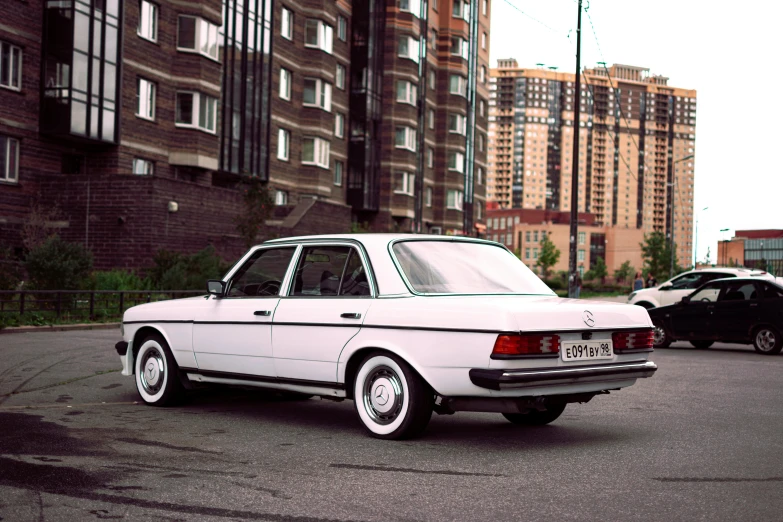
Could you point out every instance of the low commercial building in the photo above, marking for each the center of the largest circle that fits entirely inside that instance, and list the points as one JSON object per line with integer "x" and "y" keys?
{"x": 762, "y": 249}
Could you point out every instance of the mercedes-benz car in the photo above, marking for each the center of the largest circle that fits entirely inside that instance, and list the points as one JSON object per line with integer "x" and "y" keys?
{"x": 403, "y": 325}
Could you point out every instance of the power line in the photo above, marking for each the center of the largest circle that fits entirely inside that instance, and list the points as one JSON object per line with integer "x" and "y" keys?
{"x": 529, "y": 16}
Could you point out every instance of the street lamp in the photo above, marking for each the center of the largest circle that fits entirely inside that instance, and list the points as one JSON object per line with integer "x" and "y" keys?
{"x": 671, "y": 219}
{"x": 725, "y": 246}
{"x": 696, "y": 239}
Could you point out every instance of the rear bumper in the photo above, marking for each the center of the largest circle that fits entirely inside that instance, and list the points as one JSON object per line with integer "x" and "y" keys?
{"x": 537, "y": 377}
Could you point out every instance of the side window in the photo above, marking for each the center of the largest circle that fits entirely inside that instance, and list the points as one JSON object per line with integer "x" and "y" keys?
{"x": 707, "y": 294}
{"x": 261, "y": 275}
{"x": 354, "y": 280}
{"x": 709, "y": 276}
{"x": 687, "y": 282}
{"x": 772, "y": 291}
{"x": 330, "y": 271}
{"x": 739, "y": 291}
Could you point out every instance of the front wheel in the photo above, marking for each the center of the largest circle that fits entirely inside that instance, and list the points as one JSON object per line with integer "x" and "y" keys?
{"x": 537, "y": 418}
{"x": 157, "y": 375}
{"x": 660, "y": 338}
{"x": 702, "y": 345}
{"x": 391, "y": 399}
{"x": 767, "y": 340}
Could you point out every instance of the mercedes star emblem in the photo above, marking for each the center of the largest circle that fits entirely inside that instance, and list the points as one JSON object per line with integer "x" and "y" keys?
{"x": 380, "y": 395}
{"x": 587, "y": 317}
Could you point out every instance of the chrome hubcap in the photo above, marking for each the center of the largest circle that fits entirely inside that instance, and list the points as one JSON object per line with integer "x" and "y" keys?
{"x": 383, "y": 395}
{"x": 153, "y": 371}
{"x": 658, "y": 335}
{"x": 765, "y": 340}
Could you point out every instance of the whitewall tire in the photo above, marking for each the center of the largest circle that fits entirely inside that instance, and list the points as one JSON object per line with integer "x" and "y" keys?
{"x": 156, "y": 372}
{"x": 391, "y": 399}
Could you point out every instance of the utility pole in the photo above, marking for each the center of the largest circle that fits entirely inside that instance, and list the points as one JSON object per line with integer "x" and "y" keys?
{"x": 671, "y": 218}
{"x": 575, "y": 160}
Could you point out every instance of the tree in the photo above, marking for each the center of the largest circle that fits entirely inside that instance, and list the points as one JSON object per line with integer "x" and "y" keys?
{"x": 599, "y": 271}
{"x": 548, "y": 257}
{"x": 257, "y": 209}
{"x": 624, "y": 272}
{"x": 657, "y": 255}
{"x": 58, "y": 265}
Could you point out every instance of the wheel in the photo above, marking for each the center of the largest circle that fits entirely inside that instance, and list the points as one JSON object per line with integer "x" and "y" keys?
{"x": 537, "y": 418}
{"x": 645, "y": 305}
{"x": 767, "y": 340}
{"x": 391, "y": 399}
{"x": 702, "y": 345}
{"x": 660, "y": 338}
{"x": 157, "y": 375}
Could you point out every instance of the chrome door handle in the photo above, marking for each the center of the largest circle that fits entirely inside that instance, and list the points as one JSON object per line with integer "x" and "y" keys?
{"x": 348, "y": 315}
{"x": 263, "y": 313}
{"x": 754, "y": 304}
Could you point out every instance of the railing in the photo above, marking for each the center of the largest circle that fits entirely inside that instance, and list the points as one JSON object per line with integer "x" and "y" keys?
{"x": 84, "y": 304}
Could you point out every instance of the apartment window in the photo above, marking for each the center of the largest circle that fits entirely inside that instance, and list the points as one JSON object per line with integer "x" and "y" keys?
{"x": 503, "y": 223}
{"x": 535, "y": 236}
{"x": 10, "y": 66}
{"x": 145, "y": 99}
{"x": 484, "y": 41}
{"x": 9, "y": 159}
{"x": 482, "y": 143}
{"x": 434, "y": 39}
{"x": 339, "y": 77}
{"x": 408, "y": 47}
{"x": 581, "y": 238}
{"x": 287, "y": 24}
{"x": 339, "y": 125}
{"x": 430, "y": 118}
{"x": 285, "y": 84}
{"x": 197, "y": 35}
{"x": 428, "y": 197}
{"x": 196, "y": 110}
{"x": 458, "y": 85}
{"x": 410, "y": 6}
{"x": 480, "y": 213}
{"x": 143, "y": 167}
{"x": 459, "y": 47}
{"x": 430, "y": 157}
{"x": 283, "y": 144}
{"x": 405, "y": 138}
{"x": 317, "y": 93}
{"x": 407, "y": 92}
{"x": 148, "y": 21}
{"x": 479, "y": 176}
{"x": 483, "y": 74}
{"x": 318, "y": 35}
{"x": 482, "y": 108}
{"x": 281, "y": 197}
{"x": 527, "y": 253}
{"x": 457, "y": 161}
{"x": 404, "y": 183}
{"x": 432, "y": 79}
{"x": 461, "y": 9}
{"x": 342, "y": 28}
{"x": 580, "y": 255}
{"x": 457, "y": 124}
{"x": 454, "y": 199}
{"x": 315, "y": 151}
{"x": 484, "y": 7}
{"x": 527, "y": 236}
{"x": 338, "y": 173}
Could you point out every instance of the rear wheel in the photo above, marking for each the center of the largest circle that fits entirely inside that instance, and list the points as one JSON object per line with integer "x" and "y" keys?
{"x": 660, "y": 337}
{"x": 536, "y": 417}
{"x": 702, "y": 345}
{"x": 157, "y": 375}
{"x": 767, "y": 340}
{"x": 391, "y": 399}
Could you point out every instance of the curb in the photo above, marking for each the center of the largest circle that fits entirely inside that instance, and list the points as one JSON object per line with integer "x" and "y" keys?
{"x": 59, "y": 328}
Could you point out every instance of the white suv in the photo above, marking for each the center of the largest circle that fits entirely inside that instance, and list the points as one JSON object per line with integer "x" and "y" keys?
{"x": 673, "y": 290}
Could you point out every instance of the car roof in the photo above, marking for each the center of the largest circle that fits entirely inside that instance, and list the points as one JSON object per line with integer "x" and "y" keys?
{"x": 727, "y": 269}
{"x": 740, "y": 279}
{"x": 375, "y": 238}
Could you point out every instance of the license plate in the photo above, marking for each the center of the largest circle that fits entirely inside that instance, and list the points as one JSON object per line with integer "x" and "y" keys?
{"x": 585, "y": 350}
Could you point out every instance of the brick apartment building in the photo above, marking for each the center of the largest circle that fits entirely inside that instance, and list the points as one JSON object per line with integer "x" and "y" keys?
{"x": 762, "y": 249}
{"x": 138, "y": 119}
{"x": 636, "y": 148}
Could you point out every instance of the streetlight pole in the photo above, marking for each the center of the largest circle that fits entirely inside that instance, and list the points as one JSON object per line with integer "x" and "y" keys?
{"x": 671, "y": 219}
{"x": 575, "y": 161}
{"x": 696, "y": 240}
{"x": 725, "y": 246}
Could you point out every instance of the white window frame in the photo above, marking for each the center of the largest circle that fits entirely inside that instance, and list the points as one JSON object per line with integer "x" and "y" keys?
{"x": 430, "y": 157}
{"x": 11, "y": 153}
{"x": 454, "y": 199}
{"x": 461, "y": 124}
{"x": 286, "y": 78}
{"x": 410, "y": 94}
{"x": 464, "y": 47}
{"x": 430, "y": 118}
{"x": 408, "y": 183}
{"x": 432, "y": 79}
{"x": 324, "y": 35}
{"x": 411, "y": 48}
{"x": 339, "y": 77}
{"x": 480, "y": 176}
{"x": 149, "y": 91}
{"x": 484, "y": 7}
{"x": 148, "y": 30}
{"x": 287, "y": 24}
{"x": 339, "y": 125}
{"x": 464, "y": 11}
{"x": 15, "y": 74}
{"x": 283, "y": 144}
{"x": 484, "y": 40}
{"x": 428, "y": 197}
{"x": 281, "y": 198}
{"x": 459, "y": 162}
{"x": 323, "y": 94}
{"x": 143, "y": 167}
{"x": 462, "y": 85}
{"x": 407, "y": 6}
{"x": 342, "y": 28}
{"x": 203, "y": 28}
{"x": 409, "y": 138}
{"x": 338, "y": 173}
{"x": 320, "y": 152}
{"x": 195, "y": 124}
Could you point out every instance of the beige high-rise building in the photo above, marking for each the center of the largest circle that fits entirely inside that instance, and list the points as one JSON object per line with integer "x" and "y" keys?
{"x": 636, "y": 142}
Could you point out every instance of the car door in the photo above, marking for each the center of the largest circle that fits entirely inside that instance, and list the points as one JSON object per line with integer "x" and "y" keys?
{"x": 691, "y": 319}
{"x": 233, "y": 335}
{"x": 329, "y": 295}
{"x": 770, "y": 309}
{"x": 735, "y": 311}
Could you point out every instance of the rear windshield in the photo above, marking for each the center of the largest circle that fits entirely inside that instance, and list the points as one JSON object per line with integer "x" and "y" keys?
{"x": 462, "y": 267}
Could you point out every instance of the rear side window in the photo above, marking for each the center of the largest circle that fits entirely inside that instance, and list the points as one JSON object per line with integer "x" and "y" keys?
{"x": 772, "y": 291}
{"x": 330, "y": 271}
{"x": 739, "y": 291}
{"x": 709, "y": 276}
{"x": 689, "y": 281}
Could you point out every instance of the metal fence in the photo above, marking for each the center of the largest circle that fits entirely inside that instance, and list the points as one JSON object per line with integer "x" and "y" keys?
{"x": 87, "y": 304}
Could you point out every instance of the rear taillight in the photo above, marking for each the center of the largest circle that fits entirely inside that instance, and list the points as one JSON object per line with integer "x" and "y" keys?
{"x": 632, "y": 340}
{"x": 527, "y": 344}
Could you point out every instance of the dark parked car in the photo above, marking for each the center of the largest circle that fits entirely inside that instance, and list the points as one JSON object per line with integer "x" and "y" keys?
{"x": 737, "y": 310}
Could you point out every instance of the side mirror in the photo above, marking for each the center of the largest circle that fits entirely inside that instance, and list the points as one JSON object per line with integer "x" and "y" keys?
{"x": 216, "y": 287}
{"x": 666, "y": 287}
{"x": 686, "y": 299}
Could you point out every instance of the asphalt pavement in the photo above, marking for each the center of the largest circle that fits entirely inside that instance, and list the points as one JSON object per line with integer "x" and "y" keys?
{"x": 701, "y": 440}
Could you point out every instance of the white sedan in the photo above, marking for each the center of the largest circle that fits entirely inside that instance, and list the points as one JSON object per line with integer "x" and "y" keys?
{"x": 402, "y": 324}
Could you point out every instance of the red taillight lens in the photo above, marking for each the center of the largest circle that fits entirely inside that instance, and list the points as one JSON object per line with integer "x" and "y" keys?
{"x": 632, "y": 340}
{"x": 527, "y": 344}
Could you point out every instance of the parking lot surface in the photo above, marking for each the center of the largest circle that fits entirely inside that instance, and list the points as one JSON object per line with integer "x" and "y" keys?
{"x": 701, "y": 440}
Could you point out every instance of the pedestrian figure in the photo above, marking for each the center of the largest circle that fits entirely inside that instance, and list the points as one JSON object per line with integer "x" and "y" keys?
{"x": 651, "y": 281}
{"x": 638, "y": 282}
{"x": 578, "y": 285}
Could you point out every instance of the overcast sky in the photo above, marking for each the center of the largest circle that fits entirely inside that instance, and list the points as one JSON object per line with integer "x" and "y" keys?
{"x": 728, "y": 52}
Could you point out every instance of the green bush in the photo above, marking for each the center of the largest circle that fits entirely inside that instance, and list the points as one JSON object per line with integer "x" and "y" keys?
{"x": 555, "y": 284}
{"x": 175, "y": 271}
{"x": 10, "y": 270}
{"x": 118, "y": 280}
{"x": 58, "y": 265}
